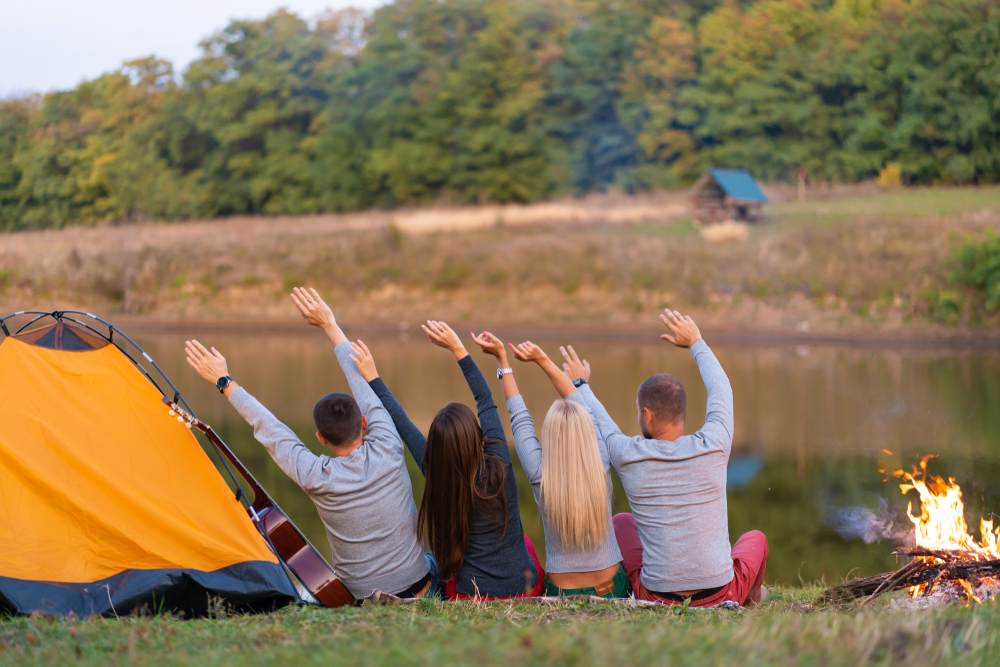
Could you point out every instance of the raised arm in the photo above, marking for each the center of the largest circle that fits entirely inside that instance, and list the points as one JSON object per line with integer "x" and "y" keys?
{"x": 444, "y": 336}
{"x": 412, "y": 436}
{"x": 719, "y": 424}
{"x": 316, "y": 312}
{"x": 529, "y": 352}
{"x": 526, "y": 443}
{"x": 493, "y": 346}
{"x": 611, "y": 439}
{"x": 295, "y": 459}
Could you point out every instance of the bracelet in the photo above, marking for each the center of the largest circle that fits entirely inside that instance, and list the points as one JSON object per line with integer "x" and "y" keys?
{"x": 504, "y": 371}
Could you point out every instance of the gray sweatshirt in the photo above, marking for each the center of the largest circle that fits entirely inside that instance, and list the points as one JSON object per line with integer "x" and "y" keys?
{"x": 677, "y": 489}
{"x": 365, "y": 499}
{"x": 529, "y": 451}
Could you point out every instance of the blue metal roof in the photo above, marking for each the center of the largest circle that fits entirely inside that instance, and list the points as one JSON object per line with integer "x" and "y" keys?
{"x": 738, "y": 184}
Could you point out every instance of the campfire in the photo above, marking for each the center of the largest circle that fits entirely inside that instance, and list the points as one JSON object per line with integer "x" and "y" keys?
{"x": 946, "y": 561}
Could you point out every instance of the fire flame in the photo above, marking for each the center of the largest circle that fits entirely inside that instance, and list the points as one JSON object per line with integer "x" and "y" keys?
{"x": 941, "y": 527}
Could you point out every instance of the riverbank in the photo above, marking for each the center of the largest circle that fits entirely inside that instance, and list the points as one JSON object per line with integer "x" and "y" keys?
{"x": 786, "y": 630}
{"x": 861, "y": 266}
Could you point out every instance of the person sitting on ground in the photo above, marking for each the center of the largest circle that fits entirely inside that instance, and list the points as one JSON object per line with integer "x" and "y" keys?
{"x": 361, "y": 491}
{"x": 469, "y": 511}
{"x": 568, "y": 471}
{"x": 675, "y": 543}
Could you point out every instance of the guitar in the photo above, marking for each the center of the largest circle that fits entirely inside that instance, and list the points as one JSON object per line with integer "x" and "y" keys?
{"x": 301, "y": 557}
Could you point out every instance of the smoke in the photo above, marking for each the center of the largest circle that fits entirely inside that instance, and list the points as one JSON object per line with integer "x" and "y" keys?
{"x": 870, "y": 525}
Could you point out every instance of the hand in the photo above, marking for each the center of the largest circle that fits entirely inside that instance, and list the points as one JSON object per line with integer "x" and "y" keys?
{"x": 681, "y": 329}
{"x": 528, "y": 351}
{"x": 444, "y": 336}
{"x": 312, "y": 307}
{"x": 209, "y": 364}
{"x": 491, "y": 345}
{"x": 575, "y": 367}
{"x": 364, "y": 360}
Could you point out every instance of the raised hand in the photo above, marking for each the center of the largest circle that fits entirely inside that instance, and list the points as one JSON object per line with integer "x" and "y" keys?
{"x": 313, "y": 308}
{"x": 491, "y": 345}
{"x": 575, "y": 367}
{"x": 528, "y": 351}
{"x": 681, "y": 329}
{"x": 444, "y": 336}
{"x": 364, "y": 360}
{"x": 209, "y": 364}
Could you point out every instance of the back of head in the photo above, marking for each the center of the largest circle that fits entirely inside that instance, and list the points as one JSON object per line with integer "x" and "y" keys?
{"x": 338, "y": 418}
{"x": 664, "y": 396}
{"x": 459, "y": 479}
{"x": 574, "y": 482}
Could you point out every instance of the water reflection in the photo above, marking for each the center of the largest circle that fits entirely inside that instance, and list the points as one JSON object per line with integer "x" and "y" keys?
{"x": 811, "y": 424}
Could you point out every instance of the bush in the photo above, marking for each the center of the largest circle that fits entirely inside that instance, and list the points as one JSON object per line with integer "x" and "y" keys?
{"x": 891, "y": 176}
{"x": 978, "y": 267}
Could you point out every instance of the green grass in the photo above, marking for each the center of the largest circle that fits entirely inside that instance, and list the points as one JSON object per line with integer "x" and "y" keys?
{"x": 786, "y": 630}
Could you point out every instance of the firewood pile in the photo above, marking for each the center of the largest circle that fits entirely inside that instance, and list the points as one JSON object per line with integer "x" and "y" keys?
{"x": 961, "y": 573}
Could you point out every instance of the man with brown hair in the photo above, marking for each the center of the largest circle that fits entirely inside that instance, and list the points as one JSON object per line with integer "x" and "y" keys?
{"x": 675, "y": 543}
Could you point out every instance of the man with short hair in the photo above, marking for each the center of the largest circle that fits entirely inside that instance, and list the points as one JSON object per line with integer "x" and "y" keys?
{"x": 362, "y": 491}
{"x": 675, "y": 543}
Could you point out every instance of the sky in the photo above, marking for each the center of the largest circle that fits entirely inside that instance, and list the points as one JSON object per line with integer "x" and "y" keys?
{"x": 54, "y": 44}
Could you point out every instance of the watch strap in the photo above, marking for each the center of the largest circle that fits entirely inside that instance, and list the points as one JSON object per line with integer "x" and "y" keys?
{"x": 504, "y": 371}
{"x": 222, "y": 383}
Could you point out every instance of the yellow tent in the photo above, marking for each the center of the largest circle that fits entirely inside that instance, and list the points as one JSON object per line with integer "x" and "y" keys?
{"x": 107, "y": 503}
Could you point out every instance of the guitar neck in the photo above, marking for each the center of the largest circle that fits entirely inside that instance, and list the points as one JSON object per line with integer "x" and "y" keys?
{"x": 261, "y": 499}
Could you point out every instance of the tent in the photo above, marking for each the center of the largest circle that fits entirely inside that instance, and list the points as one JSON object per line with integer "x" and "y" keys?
{"x": 108, "y": 504}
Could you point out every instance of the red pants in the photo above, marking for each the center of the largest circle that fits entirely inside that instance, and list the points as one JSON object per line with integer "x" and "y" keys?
{"x": 749, "y": 563}
{"x": 451, "y": 589}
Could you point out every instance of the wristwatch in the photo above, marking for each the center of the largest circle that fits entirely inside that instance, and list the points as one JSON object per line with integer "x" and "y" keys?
{"x": 579, "y": 382}
{"x": 222, "y": 383}
{"x": 504, "y": 371}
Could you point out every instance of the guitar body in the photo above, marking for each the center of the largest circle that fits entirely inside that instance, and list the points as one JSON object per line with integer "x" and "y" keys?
{"x": 290, "y": 544}
{"x": 303, "y": 559}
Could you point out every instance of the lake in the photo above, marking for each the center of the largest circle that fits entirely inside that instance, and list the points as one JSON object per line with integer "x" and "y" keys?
{"x": 813, "y": 425}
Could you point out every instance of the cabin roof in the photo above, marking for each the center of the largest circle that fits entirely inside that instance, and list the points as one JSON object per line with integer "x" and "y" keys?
{"x": 738, "y": 184}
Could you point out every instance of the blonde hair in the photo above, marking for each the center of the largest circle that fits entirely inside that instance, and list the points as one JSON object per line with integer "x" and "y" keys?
{"x": 574, "y": 482}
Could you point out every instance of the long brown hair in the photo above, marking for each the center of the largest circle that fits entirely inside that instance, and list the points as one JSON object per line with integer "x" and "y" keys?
{"x": 461, "y": 479}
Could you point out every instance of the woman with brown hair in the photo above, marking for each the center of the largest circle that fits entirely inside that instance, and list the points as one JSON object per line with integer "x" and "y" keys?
{"x": 469, "y": 512}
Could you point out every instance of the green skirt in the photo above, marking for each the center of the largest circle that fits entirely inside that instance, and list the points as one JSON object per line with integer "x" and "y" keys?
{"x": 622, "y": 588}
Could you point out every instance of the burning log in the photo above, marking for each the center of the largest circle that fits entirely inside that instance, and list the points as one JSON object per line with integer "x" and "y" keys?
{"x": 945, "y": 555}
{"x": 914, "y": 573}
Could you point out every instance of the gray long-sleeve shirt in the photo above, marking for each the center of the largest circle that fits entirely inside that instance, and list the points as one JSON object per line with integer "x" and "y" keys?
{"x": 529, "y": 451}
{"x": 365, "y": 499}
{"x": 677, "y": 489}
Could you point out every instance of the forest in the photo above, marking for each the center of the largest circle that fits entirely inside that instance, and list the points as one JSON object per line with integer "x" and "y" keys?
{"x": 473, "y": 101}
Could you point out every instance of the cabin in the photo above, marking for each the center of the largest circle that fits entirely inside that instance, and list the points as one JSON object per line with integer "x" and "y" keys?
{"x": 727, "y": 194}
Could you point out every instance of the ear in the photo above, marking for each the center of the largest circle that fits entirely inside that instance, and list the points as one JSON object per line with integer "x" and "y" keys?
{"x": 648, "y": 417}
{"x": 322, "y": 440}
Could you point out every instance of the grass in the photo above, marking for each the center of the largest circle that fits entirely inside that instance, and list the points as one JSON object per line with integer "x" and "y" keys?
{"x": 782, "y": 632}
{"x": 822, "y": 265}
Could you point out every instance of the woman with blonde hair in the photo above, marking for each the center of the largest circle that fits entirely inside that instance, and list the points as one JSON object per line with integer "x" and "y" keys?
{"x": 568, "y": 468}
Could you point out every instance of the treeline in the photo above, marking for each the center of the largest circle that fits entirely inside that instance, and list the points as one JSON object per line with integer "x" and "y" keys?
{"x": 513, "y": 101}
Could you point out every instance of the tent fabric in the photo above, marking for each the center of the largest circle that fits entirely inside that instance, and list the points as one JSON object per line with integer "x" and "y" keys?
{"x": 738, "y": 184}
{"x": 104, "y": 495}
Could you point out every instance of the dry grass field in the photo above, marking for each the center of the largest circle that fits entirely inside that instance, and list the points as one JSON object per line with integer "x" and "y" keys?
{"x": 863, "y": 261}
